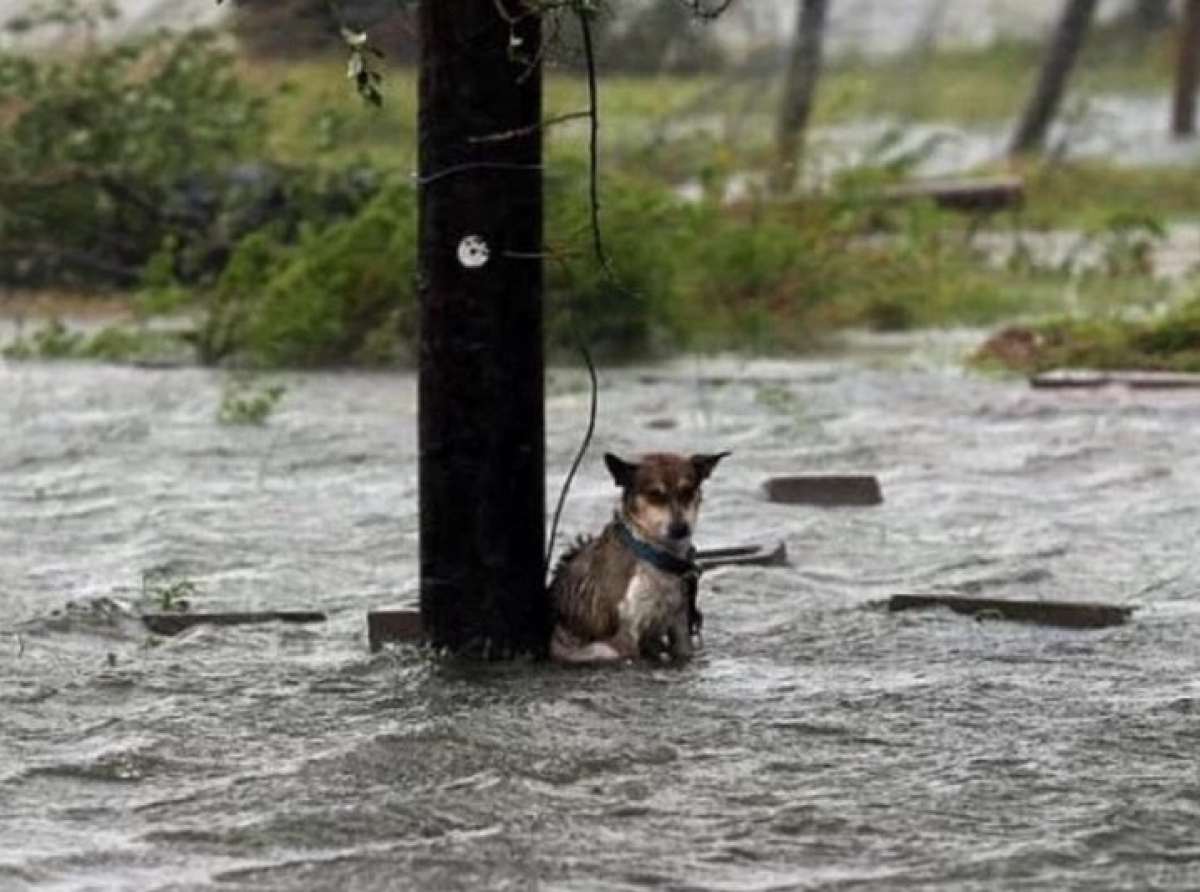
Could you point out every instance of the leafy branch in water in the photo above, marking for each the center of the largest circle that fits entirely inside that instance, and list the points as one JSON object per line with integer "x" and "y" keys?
{"x": 244, "y": 403}
{"x": 168, "y": 596}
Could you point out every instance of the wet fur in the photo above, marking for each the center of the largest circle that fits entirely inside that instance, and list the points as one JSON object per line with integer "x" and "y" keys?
{"x": 608, "y": 604}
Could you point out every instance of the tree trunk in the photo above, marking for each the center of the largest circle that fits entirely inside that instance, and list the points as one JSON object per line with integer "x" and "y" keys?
{"x": 1187, "y": 63}
{"x": 480, "y": 421}
{"x": 1150, "y": 15}
{"x": 800, "y": 86}
{"x": 1057, "y": 63}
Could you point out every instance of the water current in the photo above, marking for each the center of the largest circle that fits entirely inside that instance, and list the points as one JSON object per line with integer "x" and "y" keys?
{"x": 817, "y": 742}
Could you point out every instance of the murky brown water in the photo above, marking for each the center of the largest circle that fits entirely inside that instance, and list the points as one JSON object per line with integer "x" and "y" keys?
{"x": 816, "y": 743}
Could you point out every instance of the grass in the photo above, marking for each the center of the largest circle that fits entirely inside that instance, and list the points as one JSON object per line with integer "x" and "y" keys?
{"x": 1171, "y": 343}
{"x": 1090, "y": 193}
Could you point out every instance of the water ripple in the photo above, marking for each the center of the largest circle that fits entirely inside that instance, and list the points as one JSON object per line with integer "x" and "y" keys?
{"x": 816, "y": 742}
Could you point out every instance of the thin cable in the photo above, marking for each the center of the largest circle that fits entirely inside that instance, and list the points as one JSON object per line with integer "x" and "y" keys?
{"x": 583, "y": 448}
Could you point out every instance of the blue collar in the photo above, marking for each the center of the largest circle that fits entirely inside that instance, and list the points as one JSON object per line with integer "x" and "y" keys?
{"x": 656, "y": 557}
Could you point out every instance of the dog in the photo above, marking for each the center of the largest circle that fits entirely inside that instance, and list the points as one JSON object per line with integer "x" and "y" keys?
{"x": 631, "y": 591}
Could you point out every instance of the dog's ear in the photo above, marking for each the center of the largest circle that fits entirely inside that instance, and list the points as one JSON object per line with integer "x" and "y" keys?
{"x": 621, "y": 470}
{"x": 704, "y": 464}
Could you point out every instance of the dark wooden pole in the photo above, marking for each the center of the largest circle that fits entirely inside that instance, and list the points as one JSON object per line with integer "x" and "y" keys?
{"x": 481, "y": 422}
{"x": 1057, "y": 64}
{"x": 1187, "y": 65}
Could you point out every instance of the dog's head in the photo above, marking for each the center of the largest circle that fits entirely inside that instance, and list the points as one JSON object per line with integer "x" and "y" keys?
{"x": 660, "y": 493}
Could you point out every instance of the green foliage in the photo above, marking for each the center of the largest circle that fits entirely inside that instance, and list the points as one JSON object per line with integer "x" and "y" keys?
{"x": 95, "y": 146}
{"x": 344, "y": 294}
{"x": 244, "y": 402}
{"x": 124, "y": 166}
{"x": 1169, "y": 342}
{"x": 618, "y": 310}
{"x": 53, "y": 340}
{"x": 1091, "y": 193}
{"x": 72, "y": 14}
{"x": 168, "y": 595}
{"x": 361, "y": 66}
{"x": 114, "y": 343}
{"x": 763, "y": 276}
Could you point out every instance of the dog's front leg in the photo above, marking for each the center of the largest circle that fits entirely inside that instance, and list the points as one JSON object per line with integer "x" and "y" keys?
{"x": 679, "y": 637}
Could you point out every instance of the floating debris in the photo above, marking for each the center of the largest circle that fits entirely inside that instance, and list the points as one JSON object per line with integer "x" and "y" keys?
{"x": 1063, "y": 614}
{"x": 826, "y": 491}
{"x": 396, "y": 625}
{"x": 1068, "y": 379}
{"x": 743, "y": 556}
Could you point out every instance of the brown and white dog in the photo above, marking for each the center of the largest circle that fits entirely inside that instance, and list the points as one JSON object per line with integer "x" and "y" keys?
{"x": 631, "y": 591}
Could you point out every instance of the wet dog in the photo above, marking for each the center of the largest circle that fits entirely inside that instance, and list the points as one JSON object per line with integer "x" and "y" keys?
{"x": 631, "y": 591}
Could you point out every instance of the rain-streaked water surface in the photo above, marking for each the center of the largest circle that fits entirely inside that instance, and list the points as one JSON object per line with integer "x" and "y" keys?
{"x": 817, "y": 741}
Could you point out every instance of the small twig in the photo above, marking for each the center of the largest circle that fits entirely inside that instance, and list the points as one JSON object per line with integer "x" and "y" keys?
{"x": 706, "y": 13}
{"x": 518, "y": 132}
{"x": 589, "y": 56}
{"x": 471, "y": 166}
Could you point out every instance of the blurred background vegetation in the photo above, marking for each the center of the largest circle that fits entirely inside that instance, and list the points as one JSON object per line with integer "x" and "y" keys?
{"x": 228, "y": 180}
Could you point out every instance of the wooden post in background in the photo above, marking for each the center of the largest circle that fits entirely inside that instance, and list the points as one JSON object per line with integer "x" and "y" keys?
{"x": 799, "y": 90}
{"x": 1187, "y": 63}
{"x": 1058, "y": 60}
{"x": 481, "y": 422}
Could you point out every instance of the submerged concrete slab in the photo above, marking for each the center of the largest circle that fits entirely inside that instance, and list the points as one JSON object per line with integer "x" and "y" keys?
{"x": 743, "y": 556}
{"x": 825, "y": 490}
{"x": 174, "y": 623}
{"x": 1062, "y": 614}
{"x": 1071, "y": 379}
{"x": 399, "y": 624}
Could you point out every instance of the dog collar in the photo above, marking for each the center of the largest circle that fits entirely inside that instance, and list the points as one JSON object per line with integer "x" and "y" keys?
{"x": 658, "y": 558}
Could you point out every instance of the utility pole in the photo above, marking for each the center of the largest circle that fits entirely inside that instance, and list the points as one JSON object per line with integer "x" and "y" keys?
{"x": 481, "y": 420}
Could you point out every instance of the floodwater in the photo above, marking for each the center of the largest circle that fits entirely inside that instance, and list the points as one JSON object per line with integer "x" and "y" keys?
{"x": 817, "y": 742}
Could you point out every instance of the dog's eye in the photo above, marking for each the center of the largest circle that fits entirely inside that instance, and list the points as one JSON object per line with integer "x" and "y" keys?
{"x": 686, "y": 494}
{"x": 657, "y": 497}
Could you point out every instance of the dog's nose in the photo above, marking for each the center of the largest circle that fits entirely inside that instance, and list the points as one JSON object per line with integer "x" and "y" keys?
{"x": 679, "y": 529}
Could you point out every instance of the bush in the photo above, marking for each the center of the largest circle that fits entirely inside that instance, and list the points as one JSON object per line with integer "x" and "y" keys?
{"x": 1169, "y": 343}
{"x": 620, "y": 311}
{"x": 765, "y": 277}
{"x": 129, "y": 160}
{"x": 95, "y": 147}
{"x": 344, "y": 293}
